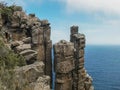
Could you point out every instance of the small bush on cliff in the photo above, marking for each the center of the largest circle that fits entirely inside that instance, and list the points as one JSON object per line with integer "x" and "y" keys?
{"x": 6, "y": 11}
{"x": 8, "y": 61}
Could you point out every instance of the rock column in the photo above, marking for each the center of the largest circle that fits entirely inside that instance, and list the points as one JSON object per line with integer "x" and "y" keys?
{"x": 81, "y": 80}
{"x": 42, "y": 43}
{"x": 47, "y": 47}
{"x": 64, "y": 64}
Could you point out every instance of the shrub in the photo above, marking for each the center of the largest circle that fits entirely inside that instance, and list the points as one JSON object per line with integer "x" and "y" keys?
{"x": 8, "y": 61}
{"x": 6, "y": 11}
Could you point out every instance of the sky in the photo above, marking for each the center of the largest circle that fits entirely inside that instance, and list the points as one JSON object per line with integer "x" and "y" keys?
{"x": 99, "y": 20}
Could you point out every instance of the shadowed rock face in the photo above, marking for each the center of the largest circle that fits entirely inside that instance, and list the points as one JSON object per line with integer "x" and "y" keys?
{"x": 69, "y": 63}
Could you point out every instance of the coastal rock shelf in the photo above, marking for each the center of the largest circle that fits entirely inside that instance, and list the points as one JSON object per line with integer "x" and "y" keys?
{"x": 29, "y": 37}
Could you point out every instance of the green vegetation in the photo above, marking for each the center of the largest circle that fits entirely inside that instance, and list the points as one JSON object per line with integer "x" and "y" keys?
{"x": 6, "y": 79}
{"x": 6, "y": 11}
{"x": 8, "y": 61}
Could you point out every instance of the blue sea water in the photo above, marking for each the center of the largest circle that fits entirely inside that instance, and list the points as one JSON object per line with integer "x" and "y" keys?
{"x": 103, "y": 64}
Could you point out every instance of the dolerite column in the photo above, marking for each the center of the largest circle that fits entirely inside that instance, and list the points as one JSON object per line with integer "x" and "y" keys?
{"x": 64, "y": 64}
{"x": 47, "y": 47}
{"x": 81, "y": 80}
{"x": 38, "y": 42}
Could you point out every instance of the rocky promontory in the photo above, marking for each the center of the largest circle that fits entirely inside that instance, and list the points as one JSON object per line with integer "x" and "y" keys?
{"x": 69, "y": 63}
{"x": 29, "y": 37}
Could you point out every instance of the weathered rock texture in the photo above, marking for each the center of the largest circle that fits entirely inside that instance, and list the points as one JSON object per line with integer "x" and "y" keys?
{"x": 30, "y": 37}
{"x": 31, "y": 77}
{"x": 69, "y": 63}
{"x": 64, "y": 64}
{"x": 81, "y": 80}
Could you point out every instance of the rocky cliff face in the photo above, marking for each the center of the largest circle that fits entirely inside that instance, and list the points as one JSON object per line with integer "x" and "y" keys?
{"x": 69, "y": 63}
{"x": 29, "y": 37}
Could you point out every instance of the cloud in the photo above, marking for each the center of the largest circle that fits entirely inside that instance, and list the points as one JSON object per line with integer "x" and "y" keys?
{"x": 103, "y": 26}
{"x": 105, "y": 6}
{"x": 104, "y": 36}
{"x": 112, "y": 23}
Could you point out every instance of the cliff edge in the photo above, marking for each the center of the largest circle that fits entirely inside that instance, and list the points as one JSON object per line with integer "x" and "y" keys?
{"x": 28, "y": 37}
{"x": 69, "y": 63}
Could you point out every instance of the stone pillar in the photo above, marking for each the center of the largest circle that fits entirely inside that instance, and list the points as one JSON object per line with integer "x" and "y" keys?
{"x": 47, "y": 47}
{"x": 42, "y": 43}
{"x": 64, "y": 64}
{"x": 81, "y": 80}
{"x": 38, "y": 42}
{"x": 74, "y": 31}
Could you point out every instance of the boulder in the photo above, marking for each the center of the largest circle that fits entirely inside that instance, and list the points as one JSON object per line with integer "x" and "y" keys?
{"x": 31, "y": 77}
{"x": 15, "y": 44}
{"x": 27, "y": 40}
{"x": 27, "y": 52}
{"x": 31, "y": 58}
{"x": 43, "y": 83}
{"x": 29, "y": 73}
{"x": 23, "y": 47}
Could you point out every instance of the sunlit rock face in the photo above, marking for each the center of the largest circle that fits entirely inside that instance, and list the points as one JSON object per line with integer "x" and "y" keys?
{"x": 28, "y": 36}
{"x": 69, "y": 63}
{"x": 64, "y": 64}
{"x": 32, "y": 77}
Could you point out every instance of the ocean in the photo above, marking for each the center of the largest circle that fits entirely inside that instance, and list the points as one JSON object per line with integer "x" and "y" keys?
{"x": 103, "y": 64}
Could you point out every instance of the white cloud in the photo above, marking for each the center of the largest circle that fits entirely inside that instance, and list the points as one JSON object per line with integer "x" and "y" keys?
{"x": 104, "y": 36}
{"x": 104, "y": 33}
{"x": 104, "y": 29}
{"x": 106, "y": 6}
{"x": 112, "y": 22}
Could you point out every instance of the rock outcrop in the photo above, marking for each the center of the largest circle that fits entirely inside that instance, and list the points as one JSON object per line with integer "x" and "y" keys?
{"x": 69, "y": 63}
{"x": 28, "y": 36}
{"x": 64, "y": 65}
{"x": 82, "y": 81}
{"x": 31, "y": 77}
